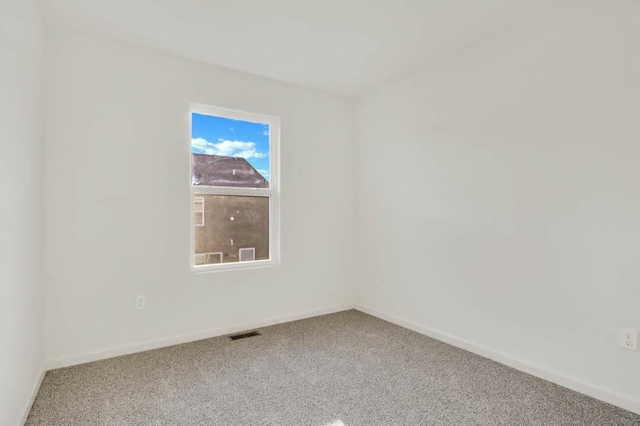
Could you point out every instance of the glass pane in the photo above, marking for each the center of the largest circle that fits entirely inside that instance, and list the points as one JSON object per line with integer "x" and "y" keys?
{"x": 227, "y": 152}
{"x": 236, "y": 228}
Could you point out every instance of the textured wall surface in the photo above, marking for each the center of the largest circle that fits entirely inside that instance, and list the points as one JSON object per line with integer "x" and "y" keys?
{"x": 514, "y": 222}
{"x": 118, "y": 204}
{"x": 21, "y": 215}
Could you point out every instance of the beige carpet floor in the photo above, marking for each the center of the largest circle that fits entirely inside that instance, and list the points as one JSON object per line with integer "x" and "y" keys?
{"x": 346, "y": 369}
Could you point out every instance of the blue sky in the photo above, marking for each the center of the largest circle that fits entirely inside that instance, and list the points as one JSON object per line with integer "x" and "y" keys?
{"x": 234, "y": 138}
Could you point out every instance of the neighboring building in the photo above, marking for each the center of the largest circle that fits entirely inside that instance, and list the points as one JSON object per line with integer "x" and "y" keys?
{"x": 219, "y": 170}
{"x": 229, "y": 228}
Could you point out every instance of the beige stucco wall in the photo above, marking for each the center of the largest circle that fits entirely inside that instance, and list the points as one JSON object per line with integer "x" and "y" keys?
{"x": 232, "y": 223}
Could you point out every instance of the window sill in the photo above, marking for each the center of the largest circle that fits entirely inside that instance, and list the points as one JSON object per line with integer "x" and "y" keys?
{"x": 233, "y": 266}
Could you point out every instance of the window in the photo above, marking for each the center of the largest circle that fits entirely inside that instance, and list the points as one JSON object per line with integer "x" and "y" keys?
{"x": 198, "y": 211}
{"x": 208, "y": 258}
{"x": 234, "y": 189}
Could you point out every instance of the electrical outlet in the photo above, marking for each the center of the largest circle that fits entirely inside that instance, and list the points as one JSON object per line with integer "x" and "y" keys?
{"x": 629, "y": 339}
{"x": 140, "y": 302}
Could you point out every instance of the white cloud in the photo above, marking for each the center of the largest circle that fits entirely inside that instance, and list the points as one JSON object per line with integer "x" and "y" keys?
{"x": 228, "y": 148}
{"x": 264, "y": 173}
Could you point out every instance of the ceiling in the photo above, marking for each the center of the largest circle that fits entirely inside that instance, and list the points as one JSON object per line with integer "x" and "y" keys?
{"x": 347, "y": 47}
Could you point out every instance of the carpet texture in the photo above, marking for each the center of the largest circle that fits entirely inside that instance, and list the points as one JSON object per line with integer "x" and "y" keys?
{"x": 346, "y": 369}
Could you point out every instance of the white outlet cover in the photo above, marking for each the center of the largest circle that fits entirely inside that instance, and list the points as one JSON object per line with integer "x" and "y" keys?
{"x": 140, "y": 302}
{"x": 629, "y": 339}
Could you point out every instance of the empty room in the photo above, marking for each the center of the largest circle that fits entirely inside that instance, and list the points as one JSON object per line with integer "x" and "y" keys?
{"x": 319, "y": 213}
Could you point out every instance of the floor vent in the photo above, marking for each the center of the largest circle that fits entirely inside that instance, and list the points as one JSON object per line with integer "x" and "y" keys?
{"x": 244, "y": 335}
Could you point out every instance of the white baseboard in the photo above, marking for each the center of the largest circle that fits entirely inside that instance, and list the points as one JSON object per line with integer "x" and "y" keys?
{"x": 36, "y": 388}
{"x": 556, "y": 377}
{"x": 186, "y": 338}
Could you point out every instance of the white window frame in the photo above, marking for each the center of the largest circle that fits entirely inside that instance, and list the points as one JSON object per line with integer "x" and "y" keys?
{"x": 273, "y": 192}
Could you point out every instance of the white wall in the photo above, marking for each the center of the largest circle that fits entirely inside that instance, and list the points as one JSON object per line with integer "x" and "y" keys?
{"x": 117, "y": 201}
{"x": 21, "y": 326}
{"x": 499, "y": 197}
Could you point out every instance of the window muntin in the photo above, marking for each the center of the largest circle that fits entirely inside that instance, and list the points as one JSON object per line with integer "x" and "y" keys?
{"x": 234, "y": 189}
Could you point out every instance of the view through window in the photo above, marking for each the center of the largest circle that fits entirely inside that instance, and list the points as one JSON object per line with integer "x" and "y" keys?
{"x": 233, "y": 188}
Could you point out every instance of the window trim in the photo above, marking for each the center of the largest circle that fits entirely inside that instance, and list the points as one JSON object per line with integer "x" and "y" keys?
{"x": 273, "y": 192}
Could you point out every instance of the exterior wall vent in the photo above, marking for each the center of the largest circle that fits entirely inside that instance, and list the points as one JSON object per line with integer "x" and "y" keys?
{"x": 247, "y": 254}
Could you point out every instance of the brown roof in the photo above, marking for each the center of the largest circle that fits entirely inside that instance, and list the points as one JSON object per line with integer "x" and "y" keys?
{"x": 219, "y": 170}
